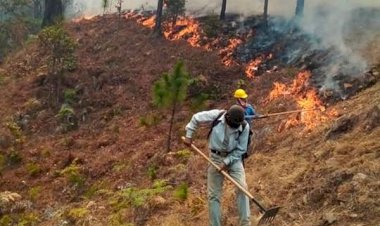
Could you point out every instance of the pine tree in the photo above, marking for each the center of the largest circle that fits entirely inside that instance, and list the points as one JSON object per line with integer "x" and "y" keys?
{"x": 170, "y": 91}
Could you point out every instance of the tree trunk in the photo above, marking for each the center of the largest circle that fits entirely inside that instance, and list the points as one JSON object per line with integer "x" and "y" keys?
{"x": 171, "y": 126}
{"x": 223, "y": 10}
{"x": 266, "y": 12}
{"x": 299, "y": 8}
{"x": 53, "y": 12}
{"x": 157, "y": 26}
{"x": 37, "y": 9}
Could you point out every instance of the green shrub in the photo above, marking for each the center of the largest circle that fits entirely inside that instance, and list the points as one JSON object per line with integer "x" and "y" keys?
{"x": 152, "y": 172}
{"x": 6, "y": 220}
{"x": 70, "y": 96}
{"x": 93, "y": 189}
{"x": 149, "y": 120}
{"x": 56, "y": 43}
{"x": 134, "y": 197}
{"x": 29, "y": 219}
{"x": 16, "y": 132}
{"x": 33, "y": 169}
{"x": 78, "y": 214}
{"x": 67, "y": 117}
{"x": 13, "y": 158}
{"x": 73, "y": 175}
{"x": 34, "y": 193}
{"x": 183, "y": 154}
{"x": 181, "y": 192}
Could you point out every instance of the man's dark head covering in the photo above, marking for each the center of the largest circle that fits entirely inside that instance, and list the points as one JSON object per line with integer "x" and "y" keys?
{"x": 235, "y": 116}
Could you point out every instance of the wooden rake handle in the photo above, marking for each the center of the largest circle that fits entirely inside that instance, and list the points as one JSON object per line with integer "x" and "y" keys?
{"x": 225, "y": 174}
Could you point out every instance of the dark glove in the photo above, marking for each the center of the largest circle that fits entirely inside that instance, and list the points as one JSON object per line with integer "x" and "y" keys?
{"x": 222, "y": 167}
{"x": 188, "y": 141}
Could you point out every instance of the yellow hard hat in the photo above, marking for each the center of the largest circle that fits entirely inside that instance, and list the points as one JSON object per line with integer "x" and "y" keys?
{"x": 240, "y": 93}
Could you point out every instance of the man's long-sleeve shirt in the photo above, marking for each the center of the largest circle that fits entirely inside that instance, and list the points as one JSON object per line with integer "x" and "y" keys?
{"x": 235, "y": 144}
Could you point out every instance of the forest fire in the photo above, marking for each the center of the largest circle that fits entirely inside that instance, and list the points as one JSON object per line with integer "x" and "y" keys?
{"x": 150, "y": 22}
{"x": 77, "y": 20}
{"x": 252, "y": 67}
{"x": 227, "y": 52}
{"x": 306, "y": 98}
{"x": 190, "y": 31}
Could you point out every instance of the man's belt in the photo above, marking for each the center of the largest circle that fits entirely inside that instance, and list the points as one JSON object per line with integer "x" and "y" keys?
{"x": 220, "y": 153}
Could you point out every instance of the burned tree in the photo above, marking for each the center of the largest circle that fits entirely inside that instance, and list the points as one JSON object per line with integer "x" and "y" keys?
{"x": 157, "y": 26}
{"x": 265, "y": 15}
{"x": 53, "y": 12}
{"x": 223, "y": 10}
{"x": 299, "y": 8}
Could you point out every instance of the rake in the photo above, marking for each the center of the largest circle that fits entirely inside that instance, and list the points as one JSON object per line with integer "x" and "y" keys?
{"x": 268, "y": 214}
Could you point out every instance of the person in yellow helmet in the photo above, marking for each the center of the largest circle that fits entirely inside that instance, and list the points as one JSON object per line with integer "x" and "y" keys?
{"x": 241, "y": 99}
{"x": 249, "y": 113}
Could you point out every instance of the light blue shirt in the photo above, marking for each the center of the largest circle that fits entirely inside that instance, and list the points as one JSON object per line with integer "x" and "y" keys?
{"x": 236, "y": 145}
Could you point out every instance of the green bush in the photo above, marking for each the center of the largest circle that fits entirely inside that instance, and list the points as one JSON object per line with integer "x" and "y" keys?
{"x": 34, "y": 193}
{"x": 78, "y": 214}
{"x": 152, "y": 172}
{"x": 13, "y": 158}
{"x": 149, "y": 120}
{"x": 33, "y": 169}
{"x": 29, "y": 219}
{"x": 6, "y": 220}
{"x": 183, "y": 154}
{"x": 134, "y": 197}
{"x": 70, "y": 96}
{"x": 57, "y": 44}
{"x": 67, "y": 117}
{"x": 16, "y": 132}
{"x": 181, "y": 192}
{"x": 73, "y": 175}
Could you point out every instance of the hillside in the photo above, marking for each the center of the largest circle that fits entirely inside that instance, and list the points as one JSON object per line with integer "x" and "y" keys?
{"x": 323, "y": 168}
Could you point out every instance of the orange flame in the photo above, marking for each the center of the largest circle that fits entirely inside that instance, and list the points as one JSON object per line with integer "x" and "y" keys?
{"x": 190, "y": 31}
{"x": 252, "y": 67}
{"x": 150, "y": 22}
{"x": 227, "y": 52}
{"x": 306, "y": 98}
{"x": 77, "y": 20}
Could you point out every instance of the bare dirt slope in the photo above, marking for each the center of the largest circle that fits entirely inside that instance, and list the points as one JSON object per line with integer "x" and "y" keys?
{"x": 113, "y": 170}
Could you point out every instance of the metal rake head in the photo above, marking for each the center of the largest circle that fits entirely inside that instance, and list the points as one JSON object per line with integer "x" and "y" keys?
{"x": 268, "y": 216}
